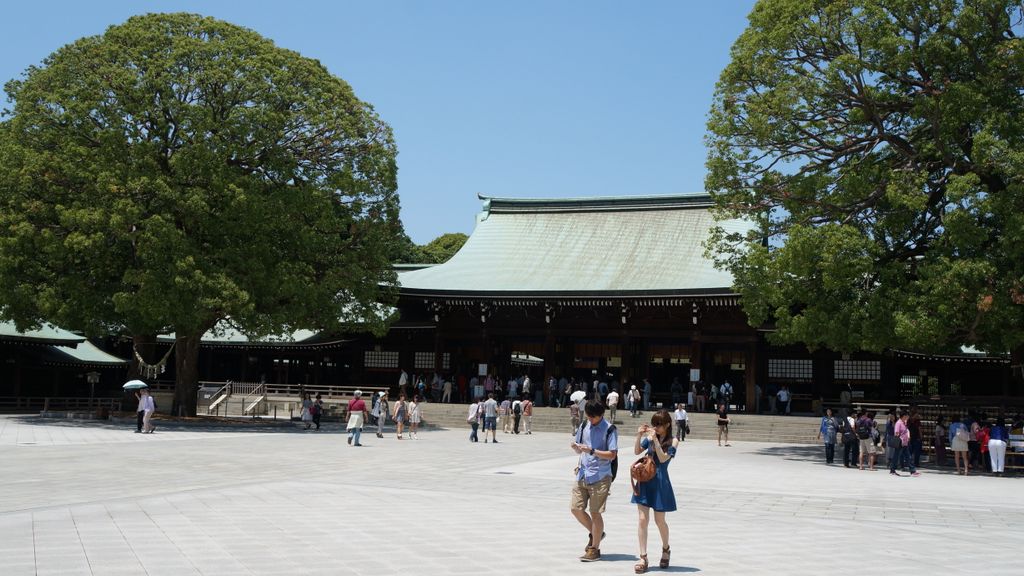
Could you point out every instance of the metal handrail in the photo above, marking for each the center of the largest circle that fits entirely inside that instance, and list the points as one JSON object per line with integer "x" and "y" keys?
{"x": 261, "y": 391}
{"x": 219, "y": 396}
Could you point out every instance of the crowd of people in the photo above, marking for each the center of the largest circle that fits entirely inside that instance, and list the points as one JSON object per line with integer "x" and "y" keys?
{"x": 977, "y": 442}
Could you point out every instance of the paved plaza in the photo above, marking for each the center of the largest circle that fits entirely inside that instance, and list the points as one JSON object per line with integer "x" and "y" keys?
{"x": 96, "y": 498}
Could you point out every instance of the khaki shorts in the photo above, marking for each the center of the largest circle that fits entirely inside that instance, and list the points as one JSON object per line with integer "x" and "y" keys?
{"x": 595, "y": 494}
{"x": 867, "y": 446}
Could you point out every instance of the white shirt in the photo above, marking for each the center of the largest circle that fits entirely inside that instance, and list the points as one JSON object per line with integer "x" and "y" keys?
{"x": 142, "y": 402}
{"x": 613, "y": 398}
{"x": 681, "y": 415}
{"x": 148, "y": 404}
{"x": 474, "y": 411}
{"x": 403, "y": 379}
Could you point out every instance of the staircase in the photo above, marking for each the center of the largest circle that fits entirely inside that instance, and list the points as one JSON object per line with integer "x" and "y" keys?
{"x": 234, "y": 399}
{"x": 744, "y": 427}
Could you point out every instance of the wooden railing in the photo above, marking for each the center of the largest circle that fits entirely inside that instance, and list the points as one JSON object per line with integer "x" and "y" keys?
{"x": 40, "y": 403}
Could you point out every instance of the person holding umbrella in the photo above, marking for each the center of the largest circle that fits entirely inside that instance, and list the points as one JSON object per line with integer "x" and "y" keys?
{"x": 148, "y": 407}
{"x": 138, "y": 386}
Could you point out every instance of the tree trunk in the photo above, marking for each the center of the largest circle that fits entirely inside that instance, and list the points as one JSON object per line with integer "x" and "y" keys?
{"x": 186, "y": 363}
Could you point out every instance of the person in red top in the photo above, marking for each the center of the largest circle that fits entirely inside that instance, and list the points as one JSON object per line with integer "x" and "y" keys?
{"x": 356, "y": 418}
{"x": 983, "y": 436}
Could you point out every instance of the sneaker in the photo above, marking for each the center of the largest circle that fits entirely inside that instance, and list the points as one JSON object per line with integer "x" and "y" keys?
{"x": 590, "y": 541}
{"x": 591, "y": 555}
{"x": 915, "y": 473}
{"x": 494, "y": 442}
{"x": 894, "y": 473}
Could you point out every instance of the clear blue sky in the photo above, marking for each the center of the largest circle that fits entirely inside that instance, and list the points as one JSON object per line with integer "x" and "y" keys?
{"x": 523, "y": 98}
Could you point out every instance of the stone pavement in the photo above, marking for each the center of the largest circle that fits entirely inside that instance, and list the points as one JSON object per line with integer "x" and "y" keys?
{"x": 95, "y": 498}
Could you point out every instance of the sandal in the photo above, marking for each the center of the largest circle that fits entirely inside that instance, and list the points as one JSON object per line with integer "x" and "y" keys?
{"x": 666, "y": 553}
{"x": 641, "y": 566}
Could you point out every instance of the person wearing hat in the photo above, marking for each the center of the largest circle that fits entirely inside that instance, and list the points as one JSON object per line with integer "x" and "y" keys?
{"x": 382, "y": 412}
{"x": 634, "y": 400}
{"x": 356, "y": 418}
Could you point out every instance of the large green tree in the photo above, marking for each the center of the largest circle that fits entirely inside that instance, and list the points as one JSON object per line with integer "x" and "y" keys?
{"x": 178, "y": 170}
{"x": 878, "y": 148}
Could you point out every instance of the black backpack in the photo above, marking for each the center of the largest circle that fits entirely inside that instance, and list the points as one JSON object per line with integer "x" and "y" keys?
{"x": 863, "y": 431}
{"x": 607, "y": 437}
{"x": 517, "y": 409}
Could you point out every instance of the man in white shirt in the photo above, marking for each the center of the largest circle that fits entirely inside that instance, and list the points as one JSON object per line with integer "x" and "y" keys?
{"x": 490, "y": 409}
{"x": 612, "y": 402}
{"x": 682, "y": 422}
{"x": 446, "y": 395}
{"x": 473, "y": 418}
{"x": 140, "y": 410}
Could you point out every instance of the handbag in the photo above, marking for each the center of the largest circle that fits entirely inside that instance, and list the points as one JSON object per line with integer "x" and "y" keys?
{"x": 642, "y": 471}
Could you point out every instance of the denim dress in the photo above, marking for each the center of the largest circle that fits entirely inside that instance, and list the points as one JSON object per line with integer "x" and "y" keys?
{"x": 657, "y": 493}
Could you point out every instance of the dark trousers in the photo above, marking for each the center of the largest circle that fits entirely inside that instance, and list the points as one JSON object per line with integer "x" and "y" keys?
{"x": 915, "y": 452}
{"x": 974, "y": 451}
{"x": 515, "y": 425}
{"x": 898, "y": 453}
{"x": 472, "y": 434}
{"x": 851, "y": 452}
{"x": 316, "y": 419}
{"x": 138, "y": 420}
{"x": 830, "y": 453}
{"x": 681, "y": 430}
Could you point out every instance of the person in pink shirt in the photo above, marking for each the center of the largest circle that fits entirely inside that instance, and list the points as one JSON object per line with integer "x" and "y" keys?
{"x": 901, "y": 435}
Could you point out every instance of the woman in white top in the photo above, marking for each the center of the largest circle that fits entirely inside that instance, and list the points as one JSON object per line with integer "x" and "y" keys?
{"x": 414, "y": 416}
{"x": 381, "y": 413}
{"x": 149, "y": 406}
{"x": 307, "y": 410}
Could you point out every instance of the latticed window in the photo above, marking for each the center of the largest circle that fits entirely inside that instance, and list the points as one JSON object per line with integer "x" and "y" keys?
{"x": 858, "y": 370}
{"x": 380, "y": 359}
{"x": 425, "y": 361}
{"x": 790, "y": 369}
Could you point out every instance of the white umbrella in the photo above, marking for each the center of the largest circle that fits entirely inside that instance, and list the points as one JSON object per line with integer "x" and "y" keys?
{"x": 134, "y": 385}
{"x": 577, "y": 395}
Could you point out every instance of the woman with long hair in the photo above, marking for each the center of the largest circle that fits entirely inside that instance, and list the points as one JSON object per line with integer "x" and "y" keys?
{"x": 655, "y": 494}
{"x": 401, "y": 412}
{"x": 414, "y": 416}
{"x": 958, "y": 435}
{"x": 307, "y": 410}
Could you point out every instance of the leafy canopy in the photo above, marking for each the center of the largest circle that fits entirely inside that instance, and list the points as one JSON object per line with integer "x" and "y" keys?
{"x": 178, "y": 170}
{"x": 877, "y": 145}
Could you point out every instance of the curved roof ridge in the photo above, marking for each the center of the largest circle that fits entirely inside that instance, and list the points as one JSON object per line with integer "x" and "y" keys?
{"x": 596, "y": 203}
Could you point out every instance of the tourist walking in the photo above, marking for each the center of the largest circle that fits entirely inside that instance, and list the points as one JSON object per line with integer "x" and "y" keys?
{"x": 890, "y": 436}
{"x": 140, "y": 411}
{"x": 849, "y": 436}
{"x": 504, "y": 415}
{"x": 307, "y": 410}
{"x": 656, "y": 494}
{"x": 317, "y": 410}
{"x": 682, "y": 422}
{"x": 356, "y": 418}
{"x": 528, "y": 414}
{"x": 634, "y": 401}
{"x": 473, "y": 418}
{"x": 148, "y": 408}
{"x": 382, "y": 412}
{"x": 612, "y": 402}
{"x": 902, "y": 434}
{"x": 723, "y": 423}
{"x": 446, "y": 394}
{"x": 827, "y": 431}
{"x": 865, "y": 427}
{"x": 648, "y": 394}
{"x": 939, "y": 441}
{"x": 574, "y": 415}
{"x": 414, "y": 416}
{"x": 983, "y": 435}
{"x": 725, "y": 393}
{"x": 597, "y": 444}
{"x": 401, "y": 414}
{"x": 958, "y": 439}
{"x": 916, "y": 437}
{"x": 998, "y": 436}
{"x": 490, "y": 418}
{"x": 517, "y": 414}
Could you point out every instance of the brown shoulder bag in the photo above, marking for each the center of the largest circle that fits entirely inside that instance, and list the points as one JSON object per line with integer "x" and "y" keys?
{"x": 641, "y": 471}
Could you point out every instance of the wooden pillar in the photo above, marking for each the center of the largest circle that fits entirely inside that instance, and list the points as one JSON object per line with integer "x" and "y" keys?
{"x": 696, "y": 353}
{"x": 439, "y": 353}
{"x": 626, "y": 371}
{"x": 750, "y": 378}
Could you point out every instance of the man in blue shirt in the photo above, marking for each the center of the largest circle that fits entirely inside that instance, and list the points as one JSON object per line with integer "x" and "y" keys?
{"x": 597, "y": 447}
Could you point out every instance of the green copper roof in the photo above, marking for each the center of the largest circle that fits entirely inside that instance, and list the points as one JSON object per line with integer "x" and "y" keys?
{"x": 45, "y": 334}
{"x": 583, "y": 246}
{"x": 85, "y": 353}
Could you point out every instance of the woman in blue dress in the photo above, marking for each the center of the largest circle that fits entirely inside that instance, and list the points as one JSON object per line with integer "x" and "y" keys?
{"x": 655, "y": 494}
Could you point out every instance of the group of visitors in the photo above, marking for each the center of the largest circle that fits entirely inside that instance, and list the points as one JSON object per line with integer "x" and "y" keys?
{"x": 596, "y": 444}
{"x": 508, "y": 414}
{"x": 975, "y": 441}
